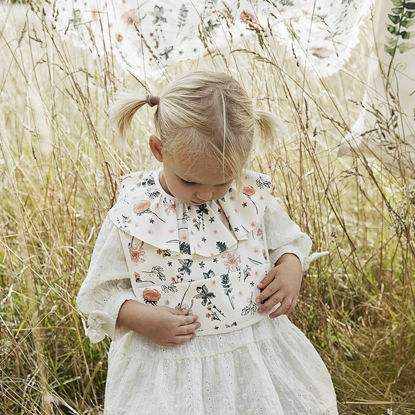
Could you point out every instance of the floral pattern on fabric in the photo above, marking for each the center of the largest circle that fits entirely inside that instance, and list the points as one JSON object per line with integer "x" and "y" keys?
{"x": 207, "y": 258}
{"x": 220, "y": 289}
{"x": 146, "y": 37}
{"x": 145, "y": 211}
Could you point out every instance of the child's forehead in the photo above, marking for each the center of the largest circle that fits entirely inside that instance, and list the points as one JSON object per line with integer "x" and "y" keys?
{"x": 201, "y": 169}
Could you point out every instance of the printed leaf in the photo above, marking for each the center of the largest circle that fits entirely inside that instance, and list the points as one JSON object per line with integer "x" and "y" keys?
{"x": 405, "y": 35}
{"x": 391, "y": 41}
{"x": 397, "y": 10}
{"x": 286, "y": 3}
{"x": 409, "y": 14}
{"x": 392, "y": 29}
{"x": 410, "y": 6}
{"x": 397, "y": 2}
{"x": 407, "y": 23}
{"x": 394, "y": 18}
{"x": 404, "y": 47}
{"x": 388, "y": 50}
{"x": 182, "y": 15}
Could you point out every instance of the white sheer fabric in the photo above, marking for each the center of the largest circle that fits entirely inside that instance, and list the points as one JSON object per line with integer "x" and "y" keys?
{"x": 146, "y": 37}
{"x": 267, "y": 368}
{"x": 385, "y": 127}
{"x": 107, "y": 285}
{"x": 284, "y": 236}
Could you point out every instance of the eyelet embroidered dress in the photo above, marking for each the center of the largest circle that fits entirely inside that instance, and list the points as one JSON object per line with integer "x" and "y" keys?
{"x": 157, "y": 250}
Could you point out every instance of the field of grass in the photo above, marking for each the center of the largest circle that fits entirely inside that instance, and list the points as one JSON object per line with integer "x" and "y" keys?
{"x": 60, "y": 159}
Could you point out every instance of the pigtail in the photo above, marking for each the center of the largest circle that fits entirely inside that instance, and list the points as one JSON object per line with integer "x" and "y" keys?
{"x": 270, "y": 128}
{"x": 123, "y": 110}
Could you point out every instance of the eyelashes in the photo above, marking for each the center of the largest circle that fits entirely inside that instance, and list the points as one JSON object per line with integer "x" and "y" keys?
{"x": 193, "y": 183}
{"x": 186, "y": 182}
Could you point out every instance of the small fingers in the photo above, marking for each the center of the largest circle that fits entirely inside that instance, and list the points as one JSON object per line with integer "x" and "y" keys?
{"x": 272, "y": 288}
{"x": 180, "y": 311}
{"x": 271, "y": 302}
{"x": 267, "y": 279}
{"x": 283, "y": 308}
{"x": 292, "y": 306}
{"x": 190, "y": 328}
{"x": 184, "y": 321}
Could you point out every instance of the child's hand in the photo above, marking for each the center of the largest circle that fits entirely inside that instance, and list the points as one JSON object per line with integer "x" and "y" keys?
{"x": 168, "y": 326}
{"x": 281, "y": 285}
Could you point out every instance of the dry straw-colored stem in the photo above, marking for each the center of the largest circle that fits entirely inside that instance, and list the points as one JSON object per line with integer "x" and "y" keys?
{"x": 59, "y": 165}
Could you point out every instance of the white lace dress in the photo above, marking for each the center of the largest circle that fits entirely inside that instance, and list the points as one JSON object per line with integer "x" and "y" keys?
{"x": 268, "y": 367}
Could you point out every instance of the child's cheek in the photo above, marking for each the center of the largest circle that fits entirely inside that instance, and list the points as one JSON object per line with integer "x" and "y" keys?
{"x": 222, "y": 193}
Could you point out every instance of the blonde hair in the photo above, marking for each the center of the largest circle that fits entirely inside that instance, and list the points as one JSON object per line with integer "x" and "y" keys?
{"x": 204, "y": 112}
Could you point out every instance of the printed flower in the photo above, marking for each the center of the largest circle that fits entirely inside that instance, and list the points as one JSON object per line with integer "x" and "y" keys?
{"x": 221, "y": 246}
{"x": 137, "y": 254}
{"x": 248, "y": 190}
{"x": 186, "y": 266}
{"x": 262, "y": 182}
{"x": 131, "y": 18}
{"x": 163, "y": 252}
{"x": 137, "y": 277}
{"x": 151, "y": 295}
{"x": 246, "y": 272}
{"x": 231, "y": 261}
{"x": 119, "y": 37}
{"x": 209, "y": 274}
{"x": 141, "y": 206}
{"x": 260, "y": 234}
{"x": 170, "y": 207}
{"x": 250, "y": 308}
{"x": 248, "y": 18}
{"x": 184, "y": 248}
{"x": 94, "y": 14}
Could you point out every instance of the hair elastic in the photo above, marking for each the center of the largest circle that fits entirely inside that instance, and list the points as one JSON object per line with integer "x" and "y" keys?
{"x": 152, "y": 100}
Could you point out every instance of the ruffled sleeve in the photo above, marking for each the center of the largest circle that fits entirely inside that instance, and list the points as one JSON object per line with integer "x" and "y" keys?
{"x": 107, "y": 285}
{"x": 284, "y": 236}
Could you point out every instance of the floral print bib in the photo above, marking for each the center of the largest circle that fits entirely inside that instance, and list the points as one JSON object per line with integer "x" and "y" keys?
{"x": 208, "y": 258}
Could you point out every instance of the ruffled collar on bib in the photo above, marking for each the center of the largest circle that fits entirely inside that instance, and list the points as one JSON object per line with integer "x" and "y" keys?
{"x": 145, "y": 211}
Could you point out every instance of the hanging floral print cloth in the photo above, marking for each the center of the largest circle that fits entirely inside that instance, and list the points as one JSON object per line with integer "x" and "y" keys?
{"x": 148, "y": 36}
{"x": 386, "y": 124}
{"x": 157, "y": 250}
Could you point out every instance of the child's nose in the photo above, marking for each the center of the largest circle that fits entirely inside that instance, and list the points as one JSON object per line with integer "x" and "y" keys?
{"x": 204, "y": 195}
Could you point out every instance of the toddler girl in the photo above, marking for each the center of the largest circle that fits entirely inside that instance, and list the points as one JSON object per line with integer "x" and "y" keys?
{"x": 196, "y": 267}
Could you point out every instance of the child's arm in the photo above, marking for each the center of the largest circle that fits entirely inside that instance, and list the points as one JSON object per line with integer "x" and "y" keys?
{"x": 289, "y": 251}
{"x": 163, "y": 325}
{"x": 107, "y": 298}
{"x": 281, "y": 285}
{"x": 107, "y": 284}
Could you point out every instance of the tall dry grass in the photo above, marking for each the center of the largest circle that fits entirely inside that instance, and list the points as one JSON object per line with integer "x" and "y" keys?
{"x": 59, "y": 164}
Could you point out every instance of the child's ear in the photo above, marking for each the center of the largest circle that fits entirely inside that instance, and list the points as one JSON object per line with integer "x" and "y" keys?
{"x": 156, "y": 147}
